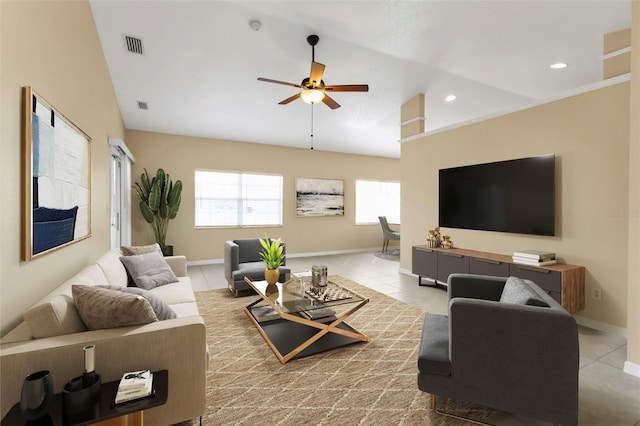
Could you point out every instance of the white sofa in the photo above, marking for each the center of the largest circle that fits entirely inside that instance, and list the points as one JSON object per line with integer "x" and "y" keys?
{"x": 177, "y": 345}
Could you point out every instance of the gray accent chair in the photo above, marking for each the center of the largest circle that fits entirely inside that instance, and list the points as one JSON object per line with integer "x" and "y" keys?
{"x": 387, "y": 233}
{"x": 505, "y": 344}
{"x": 242, "y": 258}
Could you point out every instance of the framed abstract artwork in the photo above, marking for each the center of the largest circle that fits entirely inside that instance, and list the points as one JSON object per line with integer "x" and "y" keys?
{"x": 319, "y": 197}
{"x": 56, "y": 178}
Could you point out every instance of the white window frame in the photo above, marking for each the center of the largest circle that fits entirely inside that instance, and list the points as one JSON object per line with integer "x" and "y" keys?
{"x": 239, "y": 197}
{"x": 380, "y": 203}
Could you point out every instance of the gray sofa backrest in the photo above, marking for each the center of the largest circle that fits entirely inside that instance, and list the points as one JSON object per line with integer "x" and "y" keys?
{"x": 249, "y": 249}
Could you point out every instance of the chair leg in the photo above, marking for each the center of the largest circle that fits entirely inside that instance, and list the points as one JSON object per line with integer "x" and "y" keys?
{"x": 453, "y": 416}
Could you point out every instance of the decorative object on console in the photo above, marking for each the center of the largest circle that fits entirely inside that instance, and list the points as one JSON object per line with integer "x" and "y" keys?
{"x": 534, "y": 257}
{"x": 433, "y": 238}
{"x": 56, "y": 160}
{"x": 159, "y": 203}
{"x": 36, "y": 396}
{"x": 82, "y": 394}
{"x": 446, "y": 242}
{"x": 272, "y": 255}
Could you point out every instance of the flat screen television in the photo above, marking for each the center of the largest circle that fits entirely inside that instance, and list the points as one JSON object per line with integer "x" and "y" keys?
{"x": 516, "y": 196}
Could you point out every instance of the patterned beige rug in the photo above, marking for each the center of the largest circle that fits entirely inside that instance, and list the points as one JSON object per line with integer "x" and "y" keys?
{"x": 362, "y": 384}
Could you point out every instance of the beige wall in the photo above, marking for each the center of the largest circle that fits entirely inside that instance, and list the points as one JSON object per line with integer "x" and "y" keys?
{"x": 633, "y": 348}
{"x": 180, "y": 156}
{"x": 53, "y": 47}
{"x": 589, "y": 134}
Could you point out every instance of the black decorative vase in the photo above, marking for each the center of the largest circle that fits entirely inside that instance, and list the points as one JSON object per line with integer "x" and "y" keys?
{"x": 167, "y": 250}
{"x": 37, "y": 392}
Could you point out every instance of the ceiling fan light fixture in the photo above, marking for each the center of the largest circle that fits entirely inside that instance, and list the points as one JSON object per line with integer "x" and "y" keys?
{"x": 312, "y": 96}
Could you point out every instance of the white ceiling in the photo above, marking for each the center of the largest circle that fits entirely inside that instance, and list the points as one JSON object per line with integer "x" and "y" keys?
{"x": 202, "y": 60}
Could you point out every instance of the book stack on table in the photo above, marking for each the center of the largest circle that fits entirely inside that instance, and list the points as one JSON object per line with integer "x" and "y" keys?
{"x": 134, "y": 385}
{"x": 534, "y": 257}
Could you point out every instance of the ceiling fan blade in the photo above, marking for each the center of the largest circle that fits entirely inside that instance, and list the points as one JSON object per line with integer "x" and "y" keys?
{"x": 268, "y": 80}
{"x": 330, "y": 102}
{"x": 348, "y": 88}
{"x": 291, "y": 99}
{"x": 317, "y": 69}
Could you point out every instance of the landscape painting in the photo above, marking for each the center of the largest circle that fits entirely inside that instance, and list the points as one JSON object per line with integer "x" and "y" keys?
{"x": 319, "y": 197}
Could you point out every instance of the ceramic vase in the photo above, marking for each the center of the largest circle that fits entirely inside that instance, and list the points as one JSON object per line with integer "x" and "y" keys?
{"x": 271, "y": 276}
{"x": 37, "y": 392}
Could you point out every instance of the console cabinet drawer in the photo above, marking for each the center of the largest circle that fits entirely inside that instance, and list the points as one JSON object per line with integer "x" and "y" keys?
{"x": 545, "y": 278}
{"x": 451, "y": 263}
{"x": 424, "y": 262}
{"x": 491, "y": 267}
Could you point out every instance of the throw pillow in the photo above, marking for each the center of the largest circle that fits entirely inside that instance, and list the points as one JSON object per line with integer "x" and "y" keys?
{"x": 101, "y": 308}
{"x": 149, "y": 270}
{"x": 518, "y": 292}
{"x": 134, "y": 250}
{"x": 159, "y": 306}
{"x": 55, "y": 317}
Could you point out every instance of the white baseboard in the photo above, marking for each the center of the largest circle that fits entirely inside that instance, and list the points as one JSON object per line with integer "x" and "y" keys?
{"x": 289, "y": 255}
{"x": 631, "y": 368}
{"x": 602, "y": 326}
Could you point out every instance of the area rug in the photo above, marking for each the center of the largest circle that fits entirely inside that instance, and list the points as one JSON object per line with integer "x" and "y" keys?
{"x": 390, "y": 254}
{"x": 362, "y": 384}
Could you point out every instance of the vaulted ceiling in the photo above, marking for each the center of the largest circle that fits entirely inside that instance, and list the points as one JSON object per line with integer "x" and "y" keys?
{"x": 201, "y": 60}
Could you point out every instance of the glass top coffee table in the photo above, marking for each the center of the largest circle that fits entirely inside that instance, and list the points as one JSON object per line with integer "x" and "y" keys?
{"x": 297, "y": 319}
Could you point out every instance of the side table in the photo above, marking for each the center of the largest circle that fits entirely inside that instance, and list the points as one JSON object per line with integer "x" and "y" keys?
{"x": 106, "y": 413}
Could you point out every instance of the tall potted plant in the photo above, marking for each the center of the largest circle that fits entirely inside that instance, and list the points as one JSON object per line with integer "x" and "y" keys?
{"x": 273, "y": 257}
{"x": 159, "y": 203}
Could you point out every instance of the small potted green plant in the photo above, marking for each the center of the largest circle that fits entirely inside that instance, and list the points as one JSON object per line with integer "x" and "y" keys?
{"x": 273, "y": 257}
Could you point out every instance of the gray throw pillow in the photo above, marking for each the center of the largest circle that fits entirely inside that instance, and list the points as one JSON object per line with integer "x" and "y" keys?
{"x": 101, "y": 308}
{"x": 159, "y": 306}
{"x": 518, "y": 292}
{"x": 134, "y": 250}
{"x": 149, "y": 270}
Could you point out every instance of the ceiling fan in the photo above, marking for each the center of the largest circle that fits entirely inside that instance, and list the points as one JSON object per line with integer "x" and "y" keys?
{"x": 313, "y": 87}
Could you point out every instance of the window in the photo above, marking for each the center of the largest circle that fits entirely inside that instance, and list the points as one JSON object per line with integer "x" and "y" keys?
{"x": 237, "y": 199}
{"x": 376, "y": 198}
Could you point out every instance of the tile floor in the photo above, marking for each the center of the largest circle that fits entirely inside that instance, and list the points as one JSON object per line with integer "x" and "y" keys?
{"x": 607, "y": 395}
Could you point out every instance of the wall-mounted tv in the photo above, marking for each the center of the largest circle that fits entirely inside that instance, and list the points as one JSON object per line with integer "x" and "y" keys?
{"x": 516, "y": 196}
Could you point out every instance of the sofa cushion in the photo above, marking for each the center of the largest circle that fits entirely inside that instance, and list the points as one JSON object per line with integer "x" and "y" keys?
{"x": 148, "y": 270}
{"x": 433, "y": 356}
{"x": 178, "y": 292}
{"x": 101, "y": 308}
{"x": 55, "y": 317}
{"x": 517, "y": 291}
{"x": 134, "y": 250}
{"x": 113, "y": 268}
{"x": 160, "y": 308}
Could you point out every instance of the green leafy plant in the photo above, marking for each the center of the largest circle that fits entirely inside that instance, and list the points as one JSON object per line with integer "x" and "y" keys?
{"x": 271, "y": 254}
{"x": 159, "y": 201}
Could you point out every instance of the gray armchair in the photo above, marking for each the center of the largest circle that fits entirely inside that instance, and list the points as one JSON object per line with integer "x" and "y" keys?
{"x": 505, "y": 344}
{"x": 387, "y": 233}
{"x": 242, "y": 258}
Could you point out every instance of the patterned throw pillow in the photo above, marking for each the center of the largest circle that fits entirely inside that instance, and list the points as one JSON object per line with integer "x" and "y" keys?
{"x": 101, "y": 308}
{"x": 161, "y": 309}
{"x": 149, "y": 270}
{"x": 134, "y": 250}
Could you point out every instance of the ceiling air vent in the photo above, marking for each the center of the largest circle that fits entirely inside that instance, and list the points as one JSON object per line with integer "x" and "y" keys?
{"x": 133, "y": 44}
{"x": 142, "y": 105}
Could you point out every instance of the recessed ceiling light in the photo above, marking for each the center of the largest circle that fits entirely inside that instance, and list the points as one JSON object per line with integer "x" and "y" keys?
{"x": 450, "y": 98}
{"x": 559, "y": 66}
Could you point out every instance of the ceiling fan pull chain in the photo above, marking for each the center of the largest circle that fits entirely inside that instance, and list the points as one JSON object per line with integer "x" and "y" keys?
{"x": 311, "y": 126}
